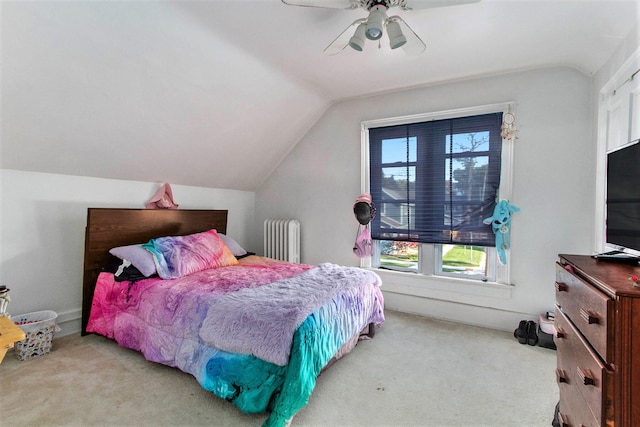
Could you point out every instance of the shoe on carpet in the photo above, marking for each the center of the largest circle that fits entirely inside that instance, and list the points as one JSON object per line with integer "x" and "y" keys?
{"x": 521, "y": 333}
{"x": 532, "y": 334}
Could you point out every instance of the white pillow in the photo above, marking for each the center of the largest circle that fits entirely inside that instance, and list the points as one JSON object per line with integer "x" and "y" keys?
{"x": 235, "y": 248}
{"x": 138, "y": 256}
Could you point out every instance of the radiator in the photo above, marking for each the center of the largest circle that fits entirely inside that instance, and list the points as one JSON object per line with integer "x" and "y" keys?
{"x": 282, "y": 239}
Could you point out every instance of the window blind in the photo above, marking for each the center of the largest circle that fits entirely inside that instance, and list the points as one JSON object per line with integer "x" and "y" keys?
{"x": 436, "y": 181}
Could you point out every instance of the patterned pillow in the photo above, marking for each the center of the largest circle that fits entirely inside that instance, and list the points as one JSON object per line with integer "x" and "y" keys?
{"x": 177, "y": 256}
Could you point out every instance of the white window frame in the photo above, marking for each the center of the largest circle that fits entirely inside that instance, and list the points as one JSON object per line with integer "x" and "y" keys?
{"x": 430, "y": 254}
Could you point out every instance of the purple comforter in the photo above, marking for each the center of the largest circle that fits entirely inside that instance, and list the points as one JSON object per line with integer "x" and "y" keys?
{"x": 167, "y": 319}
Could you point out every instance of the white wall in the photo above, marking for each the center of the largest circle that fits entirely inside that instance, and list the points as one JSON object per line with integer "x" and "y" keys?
{"x": 617, "y": 95}
{"x": 623, "y": 54}
{"x": 554, "y": 162}
{"x": 42, "y": 223}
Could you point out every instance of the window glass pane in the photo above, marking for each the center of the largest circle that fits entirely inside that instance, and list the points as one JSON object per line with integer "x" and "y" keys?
{"x": 399, "y": 255}
{"x": 397, "y": 181}
{"x": 464, "y": 259}
{"x": 451, "y": 216}
{"x": 398, "y": 210}
{"x": 470, "y": 176}
{"x": 399, "y": 216}
{"x": 395, "y": 150}
{"x": 472, "y": 141}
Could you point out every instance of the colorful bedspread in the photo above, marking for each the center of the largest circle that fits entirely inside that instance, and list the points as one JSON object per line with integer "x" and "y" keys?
{"x": 164, "y": 320}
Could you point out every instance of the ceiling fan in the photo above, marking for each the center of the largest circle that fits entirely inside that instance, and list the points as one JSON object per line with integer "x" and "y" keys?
{"x": 372, "y": 27}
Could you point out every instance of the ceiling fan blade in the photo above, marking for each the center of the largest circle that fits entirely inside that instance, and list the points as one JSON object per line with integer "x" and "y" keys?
{"x": 342, "y": 40}
{"x": 429, "y": 4}
{"x": 331, "y": 4}
{"x": 414, "y": 45}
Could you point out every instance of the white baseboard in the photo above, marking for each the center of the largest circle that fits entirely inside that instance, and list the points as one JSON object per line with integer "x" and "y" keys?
{"x": 468, "y": 314}
{"x": 69, "y": 322}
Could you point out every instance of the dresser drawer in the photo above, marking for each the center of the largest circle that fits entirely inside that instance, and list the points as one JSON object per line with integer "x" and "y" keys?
{"x": 581, "y": 370}
{"x": 573, "y": 409}
{"x": 589, "y": 309}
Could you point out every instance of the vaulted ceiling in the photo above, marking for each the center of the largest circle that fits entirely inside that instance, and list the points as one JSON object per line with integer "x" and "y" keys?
{"x": 216, "y": 93}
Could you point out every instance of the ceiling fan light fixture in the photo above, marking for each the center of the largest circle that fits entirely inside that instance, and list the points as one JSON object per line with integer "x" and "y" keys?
{"x": 375, "y": 22}
{"x": 396, "y": 38}
{"x": 358, "y": 39}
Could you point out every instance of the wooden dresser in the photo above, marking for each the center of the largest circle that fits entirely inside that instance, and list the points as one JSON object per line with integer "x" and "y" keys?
{"x": 598, "y": 341}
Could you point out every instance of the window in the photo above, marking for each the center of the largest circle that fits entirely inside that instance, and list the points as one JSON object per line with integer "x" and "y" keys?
{"x": 433, "y": 182}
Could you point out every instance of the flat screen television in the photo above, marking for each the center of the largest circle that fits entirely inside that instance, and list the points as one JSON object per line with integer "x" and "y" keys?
{"x": 623, "y": 201}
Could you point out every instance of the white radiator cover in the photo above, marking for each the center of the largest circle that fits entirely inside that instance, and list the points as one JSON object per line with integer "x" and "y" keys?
{"x": 282, "y": 239}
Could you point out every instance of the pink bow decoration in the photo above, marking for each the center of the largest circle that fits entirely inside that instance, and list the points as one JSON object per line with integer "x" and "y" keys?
{"x": 163, "y": 199}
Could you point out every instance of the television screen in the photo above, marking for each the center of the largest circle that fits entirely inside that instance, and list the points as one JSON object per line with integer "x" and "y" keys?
{"x": 623, "y": 198}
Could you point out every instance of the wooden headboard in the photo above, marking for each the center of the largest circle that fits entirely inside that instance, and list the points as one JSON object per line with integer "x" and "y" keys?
{"x": 108, "y": 228}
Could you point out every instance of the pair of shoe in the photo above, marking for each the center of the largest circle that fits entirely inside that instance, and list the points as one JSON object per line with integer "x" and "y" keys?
{"x": 526, "y": 332}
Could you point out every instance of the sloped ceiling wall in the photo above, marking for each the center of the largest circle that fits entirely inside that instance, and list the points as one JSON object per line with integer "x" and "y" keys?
{"x": 142, "y": 91}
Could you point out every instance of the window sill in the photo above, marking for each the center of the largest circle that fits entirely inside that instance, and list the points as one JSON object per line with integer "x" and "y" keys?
{"x": 443, "y": 287}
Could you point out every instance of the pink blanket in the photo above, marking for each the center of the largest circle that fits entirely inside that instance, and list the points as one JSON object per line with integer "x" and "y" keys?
{"x": 177, "y": 306}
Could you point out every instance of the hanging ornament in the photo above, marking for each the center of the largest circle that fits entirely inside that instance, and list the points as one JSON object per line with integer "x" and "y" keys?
{"x": 509, "y": 127}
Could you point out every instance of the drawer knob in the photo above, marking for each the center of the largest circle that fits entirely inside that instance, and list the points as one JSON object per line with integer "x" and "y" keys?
{"x": 585, "y": 376}
{"x": 561, "y": 377}
{"x": 562, "y": 287}
{"x": 560, "y": 333}
{"x": 589, "y": 317}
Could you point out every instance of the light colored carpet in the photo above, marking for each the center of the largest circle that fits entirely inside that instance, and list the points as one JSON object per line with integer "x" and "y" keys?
{"x": 415, "y": 372}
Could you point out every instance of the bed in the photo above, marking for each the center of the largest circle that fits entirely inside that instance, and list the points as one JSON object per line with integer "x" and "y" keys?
{"x": 252, "y": 330}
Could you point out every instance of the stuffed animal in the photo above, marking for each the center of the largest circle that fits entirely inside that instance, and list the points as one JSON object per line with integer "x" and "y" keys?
{"x": 501, "y": 225}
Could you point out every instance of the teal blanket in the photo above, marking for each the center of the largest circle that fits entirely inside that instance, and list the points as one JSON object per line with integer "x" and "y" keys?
{"x": 257, "y": 386}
